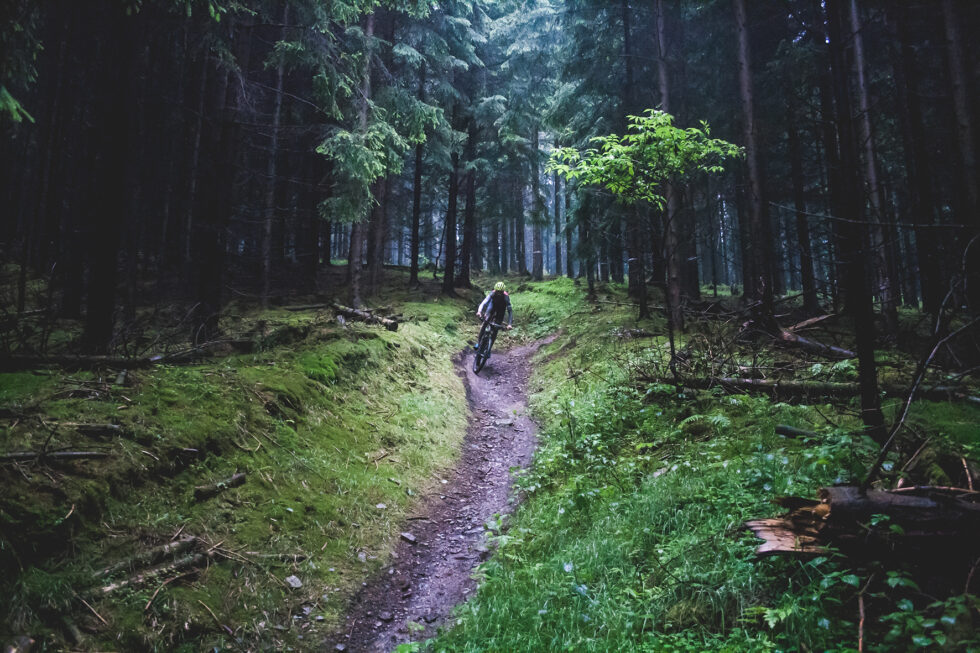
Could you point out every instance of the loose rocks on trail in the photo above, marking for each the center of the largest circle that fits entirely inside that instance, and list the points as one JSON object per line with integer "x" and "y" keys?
{"x": 440, "y": 546}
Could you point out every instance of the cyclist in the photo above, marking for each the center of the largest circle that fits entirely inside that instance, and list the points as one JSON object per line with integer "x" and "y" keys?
{"x": 492, "y": 309}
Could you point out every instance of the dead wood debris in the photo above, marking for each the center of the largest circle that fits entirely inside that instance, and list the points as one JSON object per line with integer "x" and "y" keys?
{"x": 203, "y": 492}
{"x": 150, "y": 556}
{"x": 802, "y": 389}
{"x": 927, "y": 518}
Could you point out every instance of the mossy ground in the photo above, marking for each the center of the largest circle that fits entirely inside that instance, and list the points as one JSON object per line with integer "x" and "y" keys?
{"x": 339, "y": 430}
{"x": 630, "y": 535}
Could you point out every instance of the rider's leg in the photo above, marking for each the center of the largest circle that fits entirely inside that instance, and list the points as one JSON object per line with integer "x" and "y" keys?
{"x": 480, "y": 336}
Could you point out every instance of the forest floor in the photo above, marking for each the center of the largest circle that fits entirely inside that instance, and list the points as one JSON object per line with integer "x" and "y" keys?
{"x": 432, "y": 569}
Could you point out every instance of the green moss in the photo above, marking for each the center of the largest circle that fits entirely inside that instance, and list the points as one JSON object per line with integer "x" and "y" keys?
{"x": 319, "y": 367}
{"x": 22, "y": 387}
{"x": 326, "y": 429}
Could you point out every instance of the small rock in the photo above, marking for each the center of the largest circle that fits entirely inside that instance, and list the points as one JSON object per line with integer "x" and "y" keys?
{"x": 504, "y": 422}
{"x": 408, "y": 537}
{"x": 381, "y": 506}
{"x": 386, "y": 616}
{"x": 362, "y": 556}
{"x": 340, "y": 647}
{"x": 294, "y": 582}
{"x": 429, "y": 618}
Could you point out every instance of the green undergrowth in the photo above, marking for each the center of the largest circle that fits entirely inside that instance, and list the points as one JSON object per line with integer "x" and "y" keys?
{"x": 630, "y": 536}
{"x": 338, "y": 432}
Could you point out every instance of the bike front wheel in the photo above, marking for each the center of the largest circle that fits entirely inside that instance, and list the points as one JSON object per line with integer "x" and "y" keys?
{"x": 482, "y": 353}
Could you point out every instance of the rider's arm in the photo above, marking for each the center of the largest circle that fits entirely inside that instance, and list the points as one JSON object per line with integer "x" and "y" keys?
{"x": 483, "y": 306}
{"x": 510, "y": 313}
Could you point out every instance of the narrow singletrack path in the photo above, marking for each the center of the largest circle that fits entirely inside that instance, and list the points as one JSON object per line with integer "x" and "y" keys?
{"x": 430, "y": 575}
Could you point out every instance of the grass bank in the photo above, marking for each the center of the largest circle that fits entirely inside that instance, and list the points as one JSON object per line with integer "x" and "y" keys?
{"x": 630, "y": 535}
{"x": 338, "y": 429}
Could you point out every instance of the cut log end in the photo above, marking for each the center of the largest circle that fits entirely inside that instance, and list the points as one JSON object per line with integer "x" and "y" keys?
{"x": 780, "y": 538}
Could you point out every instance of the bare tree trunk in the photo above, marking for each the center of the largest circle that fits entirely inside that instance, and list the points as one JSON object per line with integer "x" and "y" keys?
{"x": 810, "y": 304}
{"x": 448, "y": 277}
{"x": 271, "y": 169}
{"x": 969, "y": 209}
{"x": 378, "y": 235}
{"x": 469, "y": 247}
{"x": 504, "y": 250}
{"x": 921, "y": 195}
{"x": 537, "y": 243}
{"x": 195, "y": 158}
{"x": 413, "y": 277}
{"x": 520, "y": 250}
{"x": 354, "y": 264}
{"x": 855, "y": 237}
{"x": 671, "y": 233}
{"x": 886, "y": 286}
{"x": 557, "y": 182}
{"x": 569, "y": 264}
{"x": 759, "y": 232}
{"x": 106, "y": 207}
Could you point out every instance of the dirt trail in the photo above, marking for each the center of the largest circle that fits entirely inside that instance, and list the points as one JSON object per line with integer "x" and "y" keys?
{"x": 430, "y": 575}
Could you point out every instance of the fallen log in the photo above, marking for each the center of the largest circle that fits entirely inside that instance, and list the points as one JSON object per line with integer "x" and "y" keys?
{"x": 786, "y": 337}
{"x": 203, "y": 492}
{"x": 803, "y": 389}
{"x": 280, "y": 557}
{"x": 365, "y": 316}
{"x": 187, "y": 562}
{"x": 149, "y": 557}
{"x": 306, "y": 307}
{"x": 875, "y": 523}
{"x": 810, "y": 322}
{"x": 17, "y": 456}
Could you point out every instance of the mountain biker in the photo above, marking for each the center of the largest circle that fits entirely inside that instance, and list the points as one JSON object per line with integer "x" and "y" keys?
{"x": 492, "y": 309}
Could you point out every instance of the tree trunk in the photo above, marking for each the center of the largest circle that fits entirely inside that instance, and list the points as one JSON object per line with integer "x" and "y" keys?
{"x": 469, "y": 247}
{"x": 886, "y": 285}
{"x": 810, "y": 304}
{"x": 520, "y": 250}
{"x": 107, "y": 202}
{"x": 557, "y": 183}
{"x": 856, "y": 239}
{"x": 270, "y": 191}
{"x": 354, "y": 263}
{"x": 195, "y": 157}
{"x": 448, "y": 278}
{"x": 569, "y": 264}
{"x": 670, "y": 239}
{"x": 537, "y": 243}
{"x": 377, "y": 231}
{"x": 966, "y": 184}
{"x": 413, "y": 276}
{"x": 921, "y": 195}
{"x": 760, "y": 249}
{"x": 504, "y": 250}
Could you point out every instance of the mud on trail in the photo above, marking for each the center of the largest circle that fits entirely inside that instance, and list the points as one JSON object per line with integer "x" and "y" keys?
{"x": 444, "y": 541}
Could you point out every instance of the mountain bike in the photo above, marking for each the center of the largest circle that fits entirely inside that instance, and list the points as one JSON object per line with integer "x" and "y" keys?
{"x": 487, "y": 337}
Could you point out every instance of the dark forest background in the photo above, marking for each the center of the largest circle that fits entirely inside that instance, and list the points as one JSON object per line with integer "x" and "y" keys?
{"x": 185, "y": 153}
